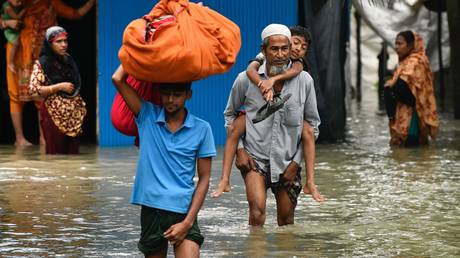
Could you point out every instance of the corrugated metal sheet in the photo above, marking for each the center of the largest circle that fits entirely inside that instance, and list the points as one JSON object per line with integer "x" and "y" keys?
{"x": 113, "y": 16}
{"x": 209, "y": 95}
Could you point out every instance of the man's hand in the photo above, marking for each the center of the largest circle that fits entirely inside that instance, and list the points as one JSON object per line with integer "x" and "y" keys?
{"x": 243, "y": 161}
{"x": 310, "y": 188}
{"x": 177, "y": 232}
{"x": 290, "y": 173}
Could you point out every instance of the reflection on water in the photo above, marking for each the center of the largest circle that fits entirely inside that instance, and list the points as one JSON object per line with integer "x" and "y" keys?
{"x": 380, "y": 202}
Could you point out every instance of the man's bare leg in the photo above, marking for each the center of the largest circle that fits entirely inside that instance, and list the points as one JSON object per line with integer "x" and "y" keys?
{"x": 160, "y": 254}
{"x": 187, "y": 249}
{"x": 284, "y": 207}
{"x": 16, "y": 118}
{"x": 256, "y": 194}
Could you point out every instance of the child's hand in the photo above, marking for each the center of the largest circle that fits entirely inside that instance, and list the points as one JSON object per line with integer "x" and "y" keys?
{"x": 265, "y": 87}
{"x": 223, "y": 187}
{"x": 268, "y": 96}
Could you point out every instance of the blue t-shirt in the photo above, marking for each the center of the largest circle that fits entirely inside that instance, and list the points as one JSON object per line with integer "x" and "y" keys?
{"x": 166, "y": 165}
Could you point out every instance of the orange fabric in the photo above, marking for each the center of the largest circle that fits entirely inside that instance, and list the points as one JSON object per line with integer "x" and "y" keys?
{"x": 198, "y": 43}
{"x": 40, "y": 15}
{"x": 415, "y": 70}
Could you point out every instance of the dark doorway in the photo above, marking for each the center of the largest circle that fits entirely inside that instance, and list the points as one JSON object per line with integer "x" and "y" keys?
{"x": 82, "y": 46}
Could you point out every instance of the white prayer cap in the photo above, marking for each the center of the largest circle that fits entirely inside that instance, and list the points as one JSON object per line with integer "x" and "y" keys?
{"x": 276, "y": 29}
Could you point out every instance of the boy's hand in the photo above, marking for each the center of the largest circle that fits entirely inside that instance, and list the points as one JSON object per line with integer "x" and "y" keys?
{"x": 266, "y": 87}
{"x": 310, "y": 188}
{"x": 268, "y": 96}
{"x": 177, "y": 232}
{"x": 223, "y": 187}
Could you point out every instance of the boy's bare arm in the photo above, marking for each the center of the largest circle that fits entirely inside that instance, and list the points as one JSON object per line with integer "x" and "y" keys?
{"x": 253, "y": 75}
{"x": 130, "y": 96}
{"x": 252, "y": 72}
{"x": 204, "y": 175}
{"x": 177, "y": 232}
{"x": 292, "y": 72}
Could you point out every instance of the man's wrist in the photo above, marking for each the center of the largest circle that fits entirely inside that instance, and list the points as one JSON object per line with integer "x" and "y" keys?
{"x": 188, "y": 224}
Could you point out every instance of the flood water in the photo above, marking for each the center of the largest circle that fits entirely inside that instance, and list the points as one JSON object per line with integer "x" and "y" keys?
{"x": 381, "y": 202}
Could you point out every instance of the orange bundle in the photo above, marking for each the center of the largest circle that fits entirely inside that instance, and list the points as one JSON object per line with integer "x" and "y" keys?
{"x": 179, "y": 41}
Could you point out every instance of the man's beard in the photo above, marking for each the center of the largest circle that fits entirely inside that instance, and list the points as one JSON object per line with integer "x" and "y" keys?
{"x": 275, "y": 70}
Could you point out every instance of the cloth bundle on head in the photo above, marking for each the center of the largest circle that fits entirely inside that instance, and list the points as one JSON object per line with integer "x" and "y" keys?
{"x": 194, "y": 42}
{"x": 276, "y": 29}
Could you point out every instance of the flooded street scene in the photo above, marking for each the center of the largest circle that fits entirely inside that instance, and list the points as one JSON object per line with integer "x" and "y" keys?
{"x": 111, "y": 129}
{"x": 380, "y": 202}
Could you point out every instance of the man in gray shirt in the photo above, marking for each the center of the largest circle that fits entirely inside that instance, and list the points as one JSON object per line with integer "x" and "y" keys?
{"x": 272, "y": 148}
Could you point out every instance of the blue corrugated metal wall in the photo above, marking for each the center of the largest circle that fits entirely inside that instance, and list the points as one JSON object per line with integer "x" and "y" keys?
{"x": 209, "y": 95}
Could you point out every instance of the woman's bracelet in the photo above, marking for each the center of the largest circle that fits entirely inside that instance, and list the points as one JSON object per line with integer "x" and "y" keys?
{"x": 259, "y": 84}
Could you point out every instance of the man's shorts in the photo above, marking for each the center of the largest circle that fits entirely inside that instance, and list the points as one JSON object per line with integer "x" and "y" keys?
{"x": 154, "y": 222}
{"x": 292, "y": 190}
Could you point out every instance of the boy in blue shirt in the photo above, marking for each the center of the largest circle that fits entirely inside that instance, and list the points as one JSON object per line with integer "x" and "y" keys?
{"x": 172, "y": 141}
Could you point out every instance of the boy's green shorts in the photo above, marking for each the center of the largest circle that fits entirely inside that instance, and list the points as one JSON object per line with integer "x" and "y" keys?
{"x": 154, "y": 222}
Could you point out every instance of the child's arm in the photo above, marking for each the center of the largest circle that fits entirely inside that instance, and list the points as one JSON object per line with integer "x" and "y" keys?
{"x": 295, "y": 69}
{"x": 130, "y": 96}
{"x": 177, "y": 232}
{"x": 14, "y": 16}
{"x": 265, "y": 86}
{"x": 253, "y": 75}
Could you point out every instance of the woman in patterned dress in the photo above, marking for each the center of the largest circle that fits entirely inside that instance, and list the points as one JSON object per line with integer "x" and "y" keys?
{"x": 409, "y": 95}
{"x": 39, "y": 15}
{"x": 56, "y": 79}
